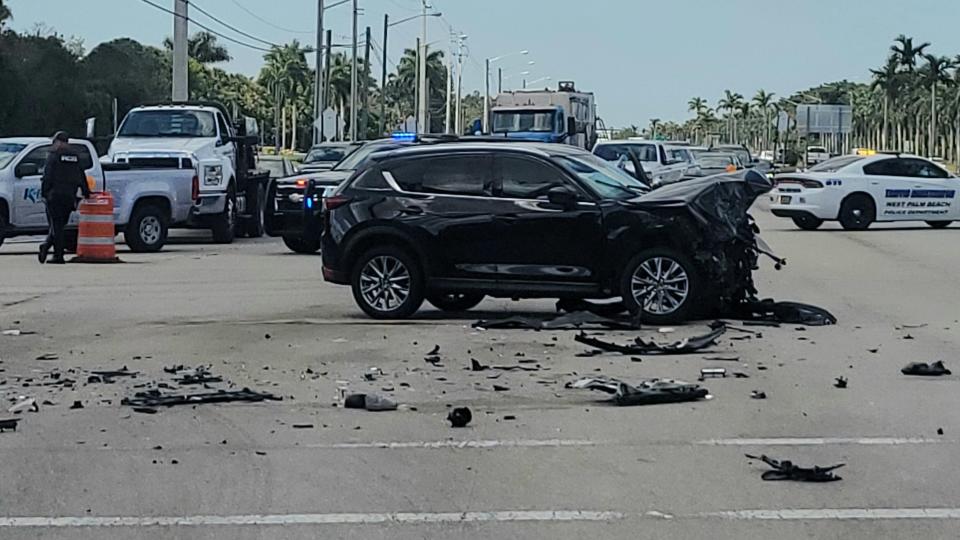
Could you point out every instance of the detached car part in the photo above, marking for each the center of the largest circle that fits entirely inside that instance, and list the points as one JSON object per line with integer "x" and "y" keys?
{"x": 649, "y": 392}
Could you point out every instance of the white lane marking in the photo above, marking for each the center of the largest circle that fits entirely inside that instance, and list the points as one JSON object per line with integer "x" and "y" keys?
{"x": 522, "y": 443}
{"x": 838, "y": 514}
{"x": 809, "y": 441}
{"x": 313, "y": 519}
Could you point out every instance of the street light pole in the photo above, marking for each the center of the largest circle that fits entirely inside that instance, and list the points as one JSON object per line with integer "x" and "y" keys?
{"x": 458, "y": 117}
{"x": 448, "y": 109}
{"x": 353, "y": 79}
{"x": 383, "y": 77}
{"x": 486, "y": 97}
{"x": 181, "y": 91}
{"x": 422, "y": 116}
{"x": 318, "y": 85}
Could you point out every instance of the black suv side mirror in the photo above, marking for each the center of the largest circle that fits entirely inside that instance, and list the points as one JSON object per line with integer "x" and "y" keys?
{"x": 562, "y": 196}
{"x": 26, "y": 169}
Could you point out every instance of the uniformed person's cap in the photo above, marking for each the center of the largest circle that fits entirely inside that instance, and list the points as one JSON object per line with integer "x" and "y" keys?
{"x": 61, "y": 136}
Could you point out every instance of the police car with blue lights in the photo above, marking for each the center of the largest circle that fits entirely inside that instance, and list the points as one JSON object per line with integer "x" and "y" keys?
{"x": 859, "y": 190}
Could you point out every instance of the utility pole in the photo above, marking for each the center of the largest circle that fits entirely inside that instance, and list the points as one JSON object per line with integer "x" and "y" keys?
{"x": 499, "y": 80}
{"x": 353, "y": 79}
{"x": 383, "y": 77}
{"x": 459, "y": 114}
{"x": 366, "y": 87}
{"x": 416, "y": 102}
{"x": 486, "y": 97}
{"x": 326, "y": 76}
{"x": 318, "y": 86}
{"x": 449, "y": 97}
{"x": 423, "y": 117}
{"x": 181, "y": 91}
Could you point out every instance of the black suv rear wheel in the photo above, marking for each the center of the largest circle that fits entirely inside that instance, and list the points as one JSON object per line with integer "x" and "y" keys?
{"x": 387, "y": 283}
{"x": 660, "y": 285}
{"x": 454, "y": 301}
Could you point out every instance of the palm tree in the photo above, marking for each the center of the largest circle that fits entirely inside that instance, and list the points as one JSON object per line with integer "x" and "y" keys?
{"x": 934, "y": 73}
{"x": 887, "y": 79}
{"x": 654, "y": 122}
{"x": 4, "y": 14}
{"x": 763, "y": 99}
{"x": 731, "y": 102}
{"x": 905, "y": 52}
{"x": 285, "y": 74}
{"x": 204, "y": 48}
{"x": 697, "y": 105}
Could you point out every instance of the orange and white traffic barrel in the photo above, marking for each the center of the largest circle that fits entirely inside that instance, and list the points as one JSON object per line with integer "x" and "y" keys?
{"x": 96, "y": 241}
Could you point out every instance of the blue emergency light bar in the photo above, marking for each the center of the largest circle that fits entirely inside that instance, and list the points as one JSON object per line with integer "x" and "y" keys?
{"x": 403, "y": 136}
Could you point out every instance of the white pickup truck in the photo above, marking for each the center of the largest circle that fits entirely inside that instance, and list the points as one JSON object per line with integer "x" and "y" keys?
{"x": 146, "y": 201}
{"x": 167, "y": 135}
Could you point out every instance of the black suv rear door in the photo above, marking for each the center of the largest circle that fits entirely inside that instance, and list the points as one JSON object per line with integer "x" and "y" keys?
{"x": 539, "y": 240}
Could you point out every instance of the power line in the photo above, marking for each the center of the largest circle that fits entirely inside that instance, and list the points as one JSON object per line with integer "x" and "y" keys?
{"x": 268, "y": 23}
{"x": 195, "y": 6}
{"x": 207, "y": 28}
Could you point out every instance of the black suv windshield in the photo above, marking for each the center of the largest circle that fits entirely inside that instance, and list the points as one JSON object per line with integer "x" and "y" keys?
{"x": 605, "y": 179}
{"x": 169, "y": 123}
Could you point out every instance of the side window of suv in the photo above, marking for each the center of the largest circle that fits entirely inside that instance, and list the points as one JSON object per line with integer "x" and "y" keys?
{"x": 884, "y": 167}
{"x": 526, "y": 178}
{"x": 449, "y": 175}
{"x": 919, "y": 168}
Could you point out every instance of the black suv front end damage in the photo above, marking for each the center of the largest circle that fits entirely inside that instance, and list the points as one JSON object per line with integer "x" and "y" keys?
{"x": 709, "y": 220}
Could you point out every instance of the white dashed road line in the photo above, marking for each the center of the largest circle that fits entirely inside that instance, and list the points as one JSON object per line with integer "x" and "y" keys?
{"x": 800, "y": 514}
{"x": 810, "y": 441}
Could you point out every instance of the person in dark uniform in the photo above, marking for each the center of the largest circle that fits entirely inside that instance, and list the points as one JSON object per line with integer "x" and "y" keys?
{"x": 63, "y": 175}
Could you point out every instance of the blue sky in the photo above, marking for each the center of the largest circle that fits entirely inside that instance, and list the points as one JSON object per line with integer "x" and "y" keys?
{"x": 641, "y": 58}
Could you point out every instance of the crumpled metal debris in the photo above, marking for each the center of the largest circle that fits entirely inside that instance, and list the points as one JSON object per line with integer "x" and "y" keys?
{"x": 786, "y": 470}
{"x": 606, "y": 309}
{"x": 9, "y": 423}
{"x": 649, "y": 392}
{"x": 641, "y": 346}
{"x": 934, "y": 369}
{"x": 567, "y": 321}
{"x": 370, "y": 402}
{"x": 459, "y": 417}
{"x": 786, "y": 312}
{"x": 154, "y": 398}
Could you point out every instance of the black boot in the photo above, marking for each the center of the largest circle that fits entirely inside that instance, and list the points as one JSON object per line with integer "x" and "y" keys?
{"x": 44, "y": 251}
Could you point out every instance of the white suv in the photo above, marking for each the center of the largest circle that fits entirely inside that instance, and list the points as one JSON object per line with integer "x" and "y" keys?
{"x": 659, "y": 162}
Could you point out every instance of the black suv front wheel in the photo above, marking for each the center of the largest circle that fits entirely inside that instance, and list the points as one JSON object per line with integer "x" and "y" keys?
{"x": 660, "y": 285}
{"x": 387, "y": 283}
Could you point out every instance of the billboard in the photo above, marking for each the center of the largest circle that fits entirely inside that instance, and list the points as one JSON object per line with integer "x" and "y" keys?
{"x": 824, "y": 119}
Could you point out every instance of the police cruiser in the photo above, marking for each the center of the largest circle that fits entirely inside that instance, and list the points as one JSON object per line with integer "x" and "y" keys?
{"x": 859, "y": 190}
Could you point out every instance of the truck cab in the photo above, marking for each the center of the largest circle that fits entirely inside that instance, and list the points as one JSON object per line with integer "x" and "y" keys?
{"x": 561, "y": 116}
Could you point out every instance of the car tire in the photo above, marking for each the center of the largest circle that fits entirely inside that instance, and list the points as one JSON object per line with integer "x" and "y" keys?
{"x": 3, "y": 225}
{"x": 225, "y": 225}
{"x": 656, "y": 269}
{"x": 146, "y": 232}
{"x": 299, "y": 244}
{"x": 939, "y": 224}
{"x": 255, "y": 223}
{"x": 807, "y": 223}
{"x": 404, "y": 294}
{"x": 857, "y": 212}
{"x": 454, "y": 302}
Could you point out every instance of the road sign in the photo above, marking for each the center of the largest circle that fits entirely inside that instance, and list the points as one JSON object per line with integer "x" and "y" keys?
{"x": 331, "y": 123}
{"x": 782, "y": 121}
{"x": 824, "y": 119}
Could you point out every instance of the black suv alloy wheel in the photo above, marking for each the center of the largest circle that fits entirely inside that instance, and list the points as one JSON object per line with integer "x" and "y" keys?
{"x": 387, "y": 283}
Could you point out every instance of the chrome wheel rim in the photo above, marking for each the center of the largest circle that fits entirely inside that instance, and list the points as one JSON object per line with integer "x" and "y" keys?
{"x": 150, "y": 230}
{"x": 660, "y": 285}
{"x": 385, "y": 283}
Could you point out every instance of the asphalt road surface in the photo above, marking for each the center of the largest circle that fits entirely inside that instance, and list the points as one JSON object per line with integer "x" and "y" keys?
{"x": 538, "y": 461}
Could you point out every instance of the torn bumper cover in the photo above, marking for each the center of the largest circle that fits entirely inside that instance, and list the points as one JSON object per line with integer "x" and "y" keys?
{"x": 649, "y": 392}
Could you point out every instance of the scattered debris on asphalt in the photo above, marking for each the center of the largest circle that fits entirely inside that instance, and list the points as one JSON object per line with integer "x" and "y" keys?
{"x": 499, "y": 388}
{"x": 459, "y": 417}
{"x": 908, "y": 336}
{"x": 155, "y": 398}
{"x": 840, "y": 382}
{"x": 13, "y": 332}
{"x": 77, "y": 404}
{"x": 603, "y": 309}
{"x": 641, "y": 346}
{"x": 709, "y": 373}
{"x": 48, "y": 356}
{"x": 568, "y": 321}
{"x": 786, "y": 470}
{"x": 940, "y": 431}
{"x": 9, "y": 423}
{"x": 934, "y": 369}
{"x": 435, "y": 351}
{"x": 758, "y": 394}
{"x": 648, "y": 392}
{"x": 25, "y": 404}
{"x": 145, "y": 410}
{"x": 786, "y": 312}
{"x": 722, "y": 358}
{"x": 370, "y": 402}
{"x": 740, "y": 375}
{"x": 912, "y": 326}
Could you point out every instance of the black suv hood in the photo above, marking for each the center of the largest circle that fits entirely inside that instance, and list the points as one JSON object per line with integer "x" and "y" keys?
{"x": 718, "y": 202}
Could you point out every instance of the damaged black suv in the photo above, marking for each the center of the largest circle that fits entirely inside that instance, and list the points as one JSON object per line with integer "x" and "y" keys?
{"x": 452, "y": 223}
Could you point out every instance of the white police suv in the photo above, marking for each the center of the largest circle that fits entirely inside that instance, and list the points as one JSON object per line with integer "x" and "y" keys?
{"x": 859, "y": 190}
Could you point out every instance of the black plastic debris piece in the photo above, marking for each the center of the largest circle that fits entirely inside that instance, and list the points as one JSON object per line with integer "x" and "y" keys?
{"x": 588, "y": 353}
{"x": 77, "y": 405}
{"x": 641, "y": 346}
{"x": 435, "y": 360}
{"x": 173, "y": 370}
{"x": 740, "y": 375}
{"x": 649, "y": 392}
{"x": 200, "y": 375}
{"x": 435, "y": 351}
{"x": 145, "y": 410}
{"x": 607, "y": 309}
{"x": 722, "y": 358}
{"x": 154, "y": 398}
{"x": 908, "y": 336}
{"x": 934, "y": 369}
{"x": 786, "y": 470}
{"x": 302, "y": 426}
{"x": 499, "y": 388}
{"x": 48, "y": 356}
{"x": 460, "y": 417}
{"x": 568, "y": 321}
{"x": 475, "y": 365}
{"x": 710, "y": 373}
{"x": 940, "y": 431}
{"x": 874, "y": 351}
{"x": 369, "y": 402}
{"x": 113, "y": 374}
{"x": 758, "y": 394}
{"x": 509, "y": 417}
{"x": 785, "y": 312}
{"x": 840, "y": 382}
{"x": 94, "y": 379}
{"x": 8, "y": 424}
